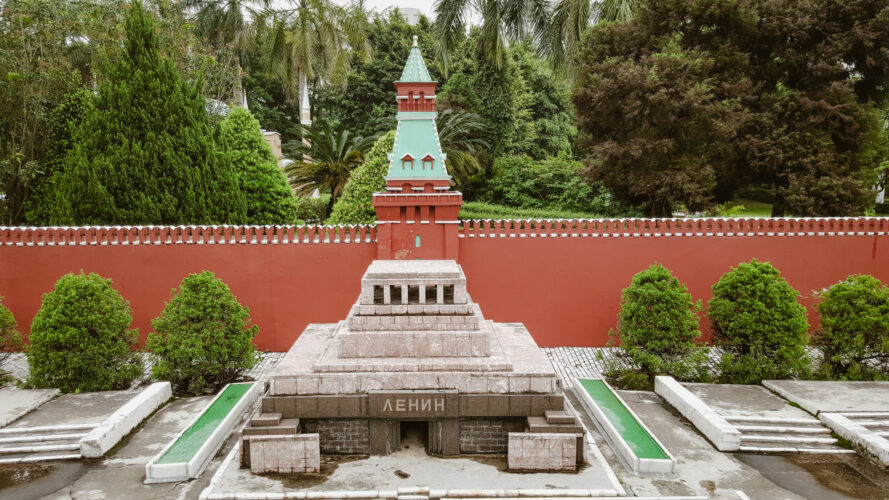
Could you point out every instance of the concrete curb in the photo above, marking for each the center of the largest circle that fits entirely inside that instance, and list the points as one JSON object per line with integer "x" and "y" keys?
{"x": 627, "y": 455}
{"x": 723, "y": 435}
{"x": 45, "y": 396}
{"x": 101, "y": 439}
{"x": 777, "y": 389}
{"x": 183, "y": 471}
{"x": 866, "y": 441}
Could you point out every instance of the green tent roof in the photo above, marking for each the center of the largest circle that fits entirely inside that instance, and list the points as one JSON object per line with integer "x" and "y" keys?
{"x": 417, "y": 137}
{"x": 415, "y": 68}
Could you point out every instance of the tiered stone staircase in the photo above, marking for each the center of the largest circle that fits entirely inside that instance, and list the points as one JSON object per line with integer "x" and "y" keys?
{"x": 785, "y": 435}
{"x": 37, "y": 444}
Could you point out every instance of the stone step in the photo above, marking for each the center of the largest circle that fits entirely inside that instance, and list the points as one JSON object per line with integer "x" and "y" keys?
{"x": 287, "y": 426}
{"x": 15, "y": 450}
{"x": 10, "y": 431}
{"x": 790, "y": 449}
{"x": 788, "y": 440}
{"x": 39, "y": 458}
{"x": 872, "y": 423}
{"x": 559, "y": 417}
{"x": 780, "y": 429}
{"x": 539, "y": 424}
{"x": 41, "y": 438}
{"x": 266, "y": 420}
{"x": 776, "y": 420}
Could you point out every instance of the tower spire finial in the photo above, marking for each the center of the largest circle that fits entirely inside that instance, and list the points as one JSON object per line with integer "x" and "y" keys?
{"x": 415, "y": 40}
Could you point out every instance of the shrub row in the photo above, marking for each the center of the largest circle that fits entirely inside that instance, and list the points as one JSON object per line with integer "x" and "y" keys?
{"x": 758, "y": 325}
{"x": 81, "y": 341}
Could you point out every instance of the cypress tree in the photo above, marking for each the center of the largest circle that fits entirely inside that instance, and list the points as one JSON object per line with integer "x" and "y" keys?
{"x": 144, "y": 153}
{"x": 269, "y": 198}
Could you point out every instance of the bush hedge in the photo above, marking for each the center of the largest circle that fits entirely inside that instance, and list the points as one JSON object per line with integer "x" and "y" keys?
{"x": 80, "y": 339}
{"x": 759, "y": 324}
{"x": 202, "y": 340}
{"x": 854, "y": 333}
{"x": 657, "y": 327}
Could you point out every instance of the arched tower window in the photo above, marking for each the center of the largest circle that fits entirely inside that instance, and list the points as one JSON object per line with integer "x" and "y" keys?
{"x": 428, "y": 160}
{"x": 407, "y": 161}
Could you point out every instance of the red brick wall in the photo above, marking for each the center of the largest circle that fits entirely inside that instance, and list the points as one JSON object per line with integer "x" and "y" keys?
{"x": 562, "y": 279}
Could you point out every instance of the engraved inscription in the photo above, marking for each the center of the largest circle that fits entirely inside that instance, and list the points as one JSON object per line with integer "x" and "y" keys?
{"x": 412, "y": 404}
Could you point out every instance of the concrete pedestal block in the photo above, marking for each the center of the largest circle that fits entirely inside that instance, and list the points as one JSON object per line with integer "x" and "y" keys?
{"x": 543, "y": 451}
{"x": 281, "y": 454}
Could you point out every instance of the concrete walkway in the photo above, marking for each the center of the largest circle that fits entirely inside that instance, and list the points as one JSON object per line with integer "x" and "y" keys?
{"x": 834, "y": 397}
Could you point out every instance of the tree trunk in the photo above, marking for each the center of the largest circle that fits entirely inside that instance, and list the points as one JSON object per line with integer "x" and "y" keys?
{"x": 779, "y": 206}
{"x": 305, "y": 112}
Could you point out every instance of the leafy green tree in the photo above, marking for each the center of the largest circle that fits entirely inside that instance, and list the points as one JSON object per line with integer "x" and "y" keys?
{"x": 460, "y": 136}
{"x": 657, "y": 327}
{"x": 202, "y": 340}
{"x": 553, "y": 184}
{"x": 498, "y": 95}
{"x": 790, "y": 94}
{"x": 502, "y": 21}
{"x": 80, "y": 339}
{"x": 355, "y": 206}
{"x": 854, "y": 333}
{"x": 153, "y": 160}
{"x": 367, "y": 101}
{"x": 330, "y": 157}
{"x": 759, "y": 325}
{"x": 550, "y": 105}
{"x": 269, "y": 198}
{"x": 570, "y": 20}
{"x": 651, "y": 123}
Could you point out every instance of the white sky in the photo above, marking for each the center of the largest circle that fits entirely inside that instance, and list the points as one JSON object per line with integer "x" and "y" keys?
{"x": 425, "y": 6}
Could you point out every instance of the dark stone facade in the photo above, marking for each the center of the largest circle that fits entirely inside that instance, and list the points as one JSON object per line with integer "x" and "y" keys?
{"x": 488, "y": 435}
{"x": 340, "y": 436}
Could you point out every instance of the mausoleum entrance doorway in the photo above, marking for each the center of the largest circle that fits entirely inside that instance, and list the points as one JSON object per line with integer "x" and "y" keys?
{"x": 414, "y": 434}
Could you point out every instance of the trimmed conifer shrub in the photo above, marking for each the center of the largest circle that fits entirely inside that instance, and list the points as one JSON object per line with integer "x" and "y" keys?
{"x": 80, "y": 339}
{"x": 202, "y": 339}
{"x": 355, "y": 206}
{"x": 268, "y": 195}
{"x": 144, "y": 151}
{"x": 657, "y": 327}
{"x": 759, "y": 324}
{"x": 854, "y": 333}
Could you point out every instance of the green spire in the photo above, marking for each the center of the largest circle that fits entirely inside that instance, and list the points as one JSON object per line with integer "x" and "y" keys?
{"x": 415, "y": 68}
{"x": 417, "y": 151}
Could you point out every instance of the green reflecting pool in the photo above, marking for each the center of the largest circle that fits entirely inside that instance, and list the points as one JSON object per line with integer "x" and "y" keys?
{"x": 191, "y": 441}
{"x": 640, "y": 441}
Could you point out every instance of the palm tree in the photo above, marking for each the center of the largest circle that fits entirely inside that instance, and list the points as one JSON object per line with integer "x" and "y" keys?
{"x": 312, "y": 41}
{"x": 570, "y": 18}
{"x": 556, "y": 31}
{"x": 502, "y": 21}
{"x": 458, "y": 134}
{"x": 223, "y": 24}
{"x": 330, "y": 153}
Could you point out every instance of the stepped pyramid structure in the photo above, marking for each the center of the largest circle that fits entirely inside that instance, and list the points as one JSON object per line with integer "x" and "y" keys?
{"x": 414, "y": 350}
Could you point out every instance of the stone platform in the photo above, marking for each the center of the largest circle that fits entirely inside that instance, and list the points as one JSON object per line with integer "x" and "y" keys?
{"x": 414, "y": 352}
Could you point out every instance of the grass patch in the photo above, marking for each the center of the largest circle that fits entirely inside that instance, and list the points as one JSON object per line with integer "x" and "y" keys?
{"x": 755, "y": 208}
{"x": 481, "y": 210}
{"x": 842, "y": 442}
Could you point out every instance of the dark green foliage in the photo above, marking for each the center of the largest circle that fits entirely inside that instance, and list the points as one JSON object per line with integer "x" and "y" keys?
{"x": 759, "y": 324}
{"x": 312, "y": 210}
{"x": 144, "y": 153}
{"x": 499, "y": 96}
{"x": 65, "y": 119}
{"x": 269, "y": 198}
{"x": 651, "y": 125}
{"x": 854, "y": 333}
{"x": 80, "y": 339}
{"x": 355, "y": 205}
{"x": 693, "y": 101}
{"x": 657, "y": 327}
{"x": 550, "y": 106}
{"x": 482, "y": 210}
{"x": 202, "y": 340}
{"x": 552, "y": 184}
